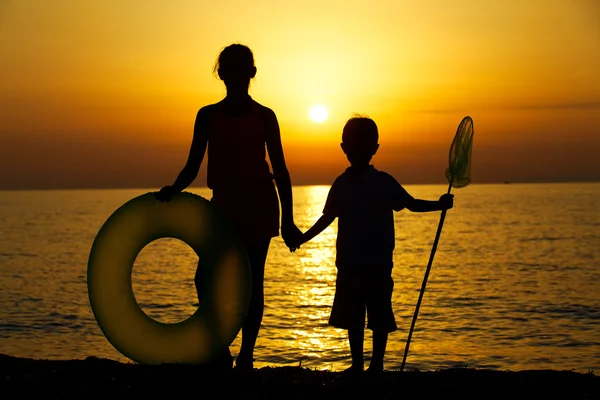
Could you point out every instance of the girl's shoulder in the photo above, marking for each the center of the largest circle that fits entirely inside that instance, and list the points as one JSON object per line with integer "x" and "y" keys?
{"x": 206, "y": 113}
{"x": 204, "y": 117}
{"x": 264, "y": 111}
{"x": 211, "y": 108}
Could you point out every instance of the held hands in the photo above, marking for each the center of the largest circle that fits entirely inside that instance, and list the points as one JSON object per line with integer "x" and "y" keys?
{"x": 295, "y": 244}
{"x": 292, "y": 236}
{"x": 165, "y": 193}
{"x": 446, "y": 201}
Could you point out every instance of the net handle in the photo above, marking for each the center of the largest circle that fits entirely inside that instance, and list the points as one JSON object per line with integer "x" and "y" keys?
{"x": 424, "y": 284}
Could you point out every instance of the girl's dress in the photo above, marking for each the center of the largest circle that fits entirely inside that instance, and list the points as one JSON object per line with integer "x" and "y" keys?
{"x": 239, "y": 175}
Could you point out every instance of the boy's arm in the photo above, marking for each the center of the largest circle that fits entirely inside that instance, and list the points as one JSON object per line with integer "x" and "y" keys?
{"x": 445, "y": 202}
{"x": 319, "y": 226}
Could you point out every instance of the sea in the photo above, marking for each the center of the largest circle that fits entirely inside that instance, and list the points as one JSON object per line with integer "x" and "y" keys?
{"x": 514, "y": 284}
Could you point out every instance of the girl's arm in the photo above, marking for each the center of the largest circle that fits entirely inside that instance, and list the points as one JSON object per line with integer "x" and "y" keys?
{"x": 195, "y": 157}
{"x": 289, "y": 231}
{"x": 196, "y": 154}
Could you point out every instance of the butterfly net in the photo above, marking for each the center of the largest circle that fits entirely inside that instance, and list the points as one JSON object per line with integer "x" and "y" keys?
{"x": 458, "y": 172}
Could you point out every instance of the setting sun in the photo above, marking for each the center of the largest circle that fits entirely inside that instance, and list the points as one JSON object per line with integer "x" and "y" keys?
{"x": 123, "y": 81}
{"x": 318, "y": 113}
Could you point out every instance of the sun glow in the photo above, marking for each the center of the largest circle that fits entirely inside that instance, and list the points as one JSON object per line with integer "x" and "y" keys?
{"x": 318, "y": 113}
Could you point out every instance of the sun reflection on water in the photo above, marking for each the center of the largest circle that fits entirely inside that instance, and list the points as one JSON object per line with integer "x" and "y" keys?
{"x": 311, "y": 278}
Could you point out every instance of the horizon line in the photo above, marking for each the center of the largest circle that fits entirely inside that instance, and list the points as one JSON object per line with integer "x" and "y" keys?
{"x": 30, "y": 189}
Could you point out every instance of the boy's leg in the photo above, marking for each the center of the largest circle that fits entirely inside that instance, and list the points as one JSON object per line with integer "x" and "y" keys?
{"x": 379, "y": 344}
{"x": 356, "y": 338}
{"x": 380, "y": 313}
{"x": 348, "y": 312}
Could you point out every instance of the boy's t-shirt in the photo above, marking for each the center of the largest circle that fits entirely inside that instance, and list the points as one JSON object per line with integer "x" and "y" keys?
{"x": 364, "y": 204}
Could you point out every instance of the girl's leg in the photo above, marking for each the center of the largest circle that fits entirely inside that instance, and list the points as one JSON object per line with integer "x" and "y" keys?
{"x": 257, "y": 254}
{"x": 356, "y": 338}
{"x": 223, "y": 359}
{"x": 379, "y": 344}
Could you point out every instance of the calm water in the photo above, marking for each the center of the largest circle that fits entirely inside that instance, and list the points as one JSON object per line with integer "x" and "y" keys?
{"x": 514, "y": 284}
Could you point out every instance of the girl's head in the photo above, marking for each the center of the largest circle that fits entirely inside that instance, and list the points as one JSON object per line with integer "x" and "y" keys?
{"x": 235, "y": 66}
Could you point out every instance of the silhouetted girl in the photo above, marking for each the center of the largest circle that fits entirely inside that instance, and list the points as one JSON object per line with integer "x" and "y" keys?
{"x": 239, "y": 132}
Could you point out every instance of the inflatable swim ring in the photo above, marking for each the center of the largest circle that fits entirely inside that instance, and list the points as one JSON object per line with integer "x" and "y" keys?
{"x": 225, "y": 277}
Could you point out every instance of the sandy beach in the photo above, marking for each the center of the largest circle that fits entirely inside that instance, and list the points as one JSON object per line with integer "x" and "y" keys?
{"x": 28, "y": 378}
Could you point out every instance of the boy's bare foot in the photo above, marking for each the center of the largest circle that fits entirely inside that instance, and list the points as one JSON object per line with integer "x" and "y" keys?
{"x": 375, "y": 369}
{"x": 353, "y": 370}
{"x": 375, "y": 366}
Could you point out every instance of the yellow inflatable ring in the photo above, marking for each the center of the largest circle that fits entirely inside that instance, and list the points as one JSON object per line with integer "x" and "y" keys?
{"x": 225, "y": 278}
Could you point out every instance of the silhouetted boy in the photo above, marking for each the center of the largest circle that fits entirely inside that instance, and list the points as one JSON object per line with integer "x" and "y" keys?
{"x": 364, "y": 200}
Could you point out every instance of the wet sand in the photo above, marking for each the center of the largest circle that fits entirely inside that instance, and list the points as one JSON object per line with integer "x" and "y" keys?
{"x": 27, "y": 378}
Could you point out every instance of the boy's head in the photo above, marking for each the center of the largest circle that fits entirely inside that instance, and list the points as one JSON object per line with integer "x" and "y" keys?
{"x": 359, "y": 140}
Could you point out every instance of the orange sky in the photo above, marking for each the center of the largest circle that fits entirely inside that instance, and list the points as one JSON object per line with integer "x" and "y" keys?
{"x": 104, "y": 93}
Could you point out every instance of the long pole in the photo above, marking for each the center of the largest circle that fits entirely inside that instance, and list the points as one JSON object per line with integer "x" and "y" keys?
{"x": 435, "y": 243}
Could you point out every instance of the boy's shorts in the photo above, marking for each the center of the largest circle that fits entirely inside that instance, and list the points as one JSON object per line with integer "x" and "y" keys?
{"x": 360, "y": 289}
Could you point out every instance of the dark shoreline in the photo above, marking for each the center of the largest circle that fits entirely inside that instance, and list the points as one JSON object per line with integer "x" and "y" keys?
{"x": 28, "y": 378}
